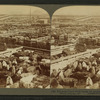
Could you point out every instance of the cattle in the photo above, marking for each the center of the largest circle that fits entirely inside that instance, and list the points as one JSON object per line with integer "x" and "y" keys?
{"x": 64, "y": 79}
{"x": 0, "y": 65}
{"x": 54, "y": 73}
{"x": 23, "y": 58}
{"x": 89, "y": 82}
{"x": 8, "y": 67}
{"x": 61, "y": 75}
{"x": 45, "y": 68}
{"x": 27, "y": 51}
{"x": 98, "y": 60}
{"x": 19, "y": 66}
{"x": 98, "y": 72}
{"x": 94, "y": 86}
{"x": 84, "y": 71}
{"x": 9, "y": 81}
{"x": 15, "y": 85}
{"x": 26, "y": 82}
{"x": 79, "y": 75}
{"x": 10, "y": 63}
{"x": 20, "y": 71}
{"x": 48, "y": 87}
{"x": 79, "y": 67}
{"x": 84, "y": 66}
{"x": 4, "y": 64}
{"x": 45, "y": 60}
{"x": 55, "y": 84}
{"x": 14, "y": 62}
{"x": 31, "y": 69}
{"x": 13, "y": 69}
{"x": 39, "y": 86}
{"x": 67, "y": 73}
{"x": 94, "y": 63}
{"x": 25, "y": 74}
{"x": 68, "y": 82}
{"x": 92, "y": 70}
{"x": 75, "y": 64}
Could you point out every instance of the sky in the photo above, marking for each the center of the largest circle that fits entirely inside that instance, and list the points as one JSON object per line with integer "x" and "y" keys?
{"x": 21, "y": 9}
{"x": 78, "y": 10}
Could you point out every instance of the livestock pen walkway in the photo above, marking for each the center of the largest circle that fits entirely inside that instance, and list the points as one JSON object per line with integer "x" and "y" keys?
{"x": 58, "y": 49}
{"x": 38, "y": 49}
{"x": 62, "y": 62}
{"x": 9, "y": 51}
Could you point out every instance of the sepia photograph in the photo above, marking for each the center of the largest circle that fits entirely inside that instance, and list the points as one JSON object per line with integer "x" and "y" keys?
{"x": 75, "y": 48}
{"x": 24, "y": 47}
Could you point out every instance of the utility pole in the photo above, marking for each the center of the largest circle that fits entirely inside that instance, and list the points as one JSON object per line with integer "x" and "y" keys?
{"x": 30, "y": 16}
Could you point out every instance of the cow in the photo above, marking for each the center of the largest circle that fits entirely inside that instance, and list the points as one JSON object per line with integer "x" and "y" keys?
{"x": 89, "y": 81}
{"x": 26, "y": 82}
{"x": 0, "y": 66}
{"x": 9, "y": 81}
{"x": 4, "y": 64}
{"x": 55, "y": 84}
{"x": 94, "y": 86}
{"x": 13, "y": 70}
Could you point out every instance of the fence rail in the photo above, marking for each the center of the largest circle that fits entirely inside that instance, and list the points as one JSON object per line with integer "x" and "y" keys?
{"x": 10, "y": 51}
{"x": 76, "y": 56}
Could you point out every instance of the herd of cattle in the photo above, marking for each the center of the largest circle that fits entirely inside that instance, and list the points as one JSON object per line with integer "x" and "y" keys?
{"x": 24, "y": 69}
{"x": 84, "y": 73}
{"x": 29, "y": 69}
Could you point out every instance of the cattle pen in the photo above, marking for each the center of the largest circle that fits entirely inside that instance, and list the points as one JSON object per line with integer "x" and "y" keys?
{"x": 64, "y": 61}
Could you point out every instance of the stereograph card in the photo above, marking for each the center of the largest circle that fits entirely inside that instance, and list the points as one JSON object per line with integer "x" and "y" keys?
{"x": 52, "y": 50}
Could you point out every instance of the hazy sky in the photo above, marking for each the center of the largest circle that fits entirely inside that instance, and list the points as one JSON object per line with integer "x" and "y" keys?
{"x": 20, "y": 9}
{"x": 78, "y": 10}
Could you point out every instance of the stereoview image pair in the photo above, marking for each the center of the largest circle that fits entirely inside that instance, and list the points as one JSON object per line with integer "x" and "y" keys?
{"x": 36, "y": 52}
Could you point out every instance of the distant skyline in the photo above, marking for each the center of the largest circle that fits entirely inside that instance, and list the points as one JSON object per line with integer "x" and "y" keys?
{"x": 78, "y": 10}
{"x": 21, "y": 9}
